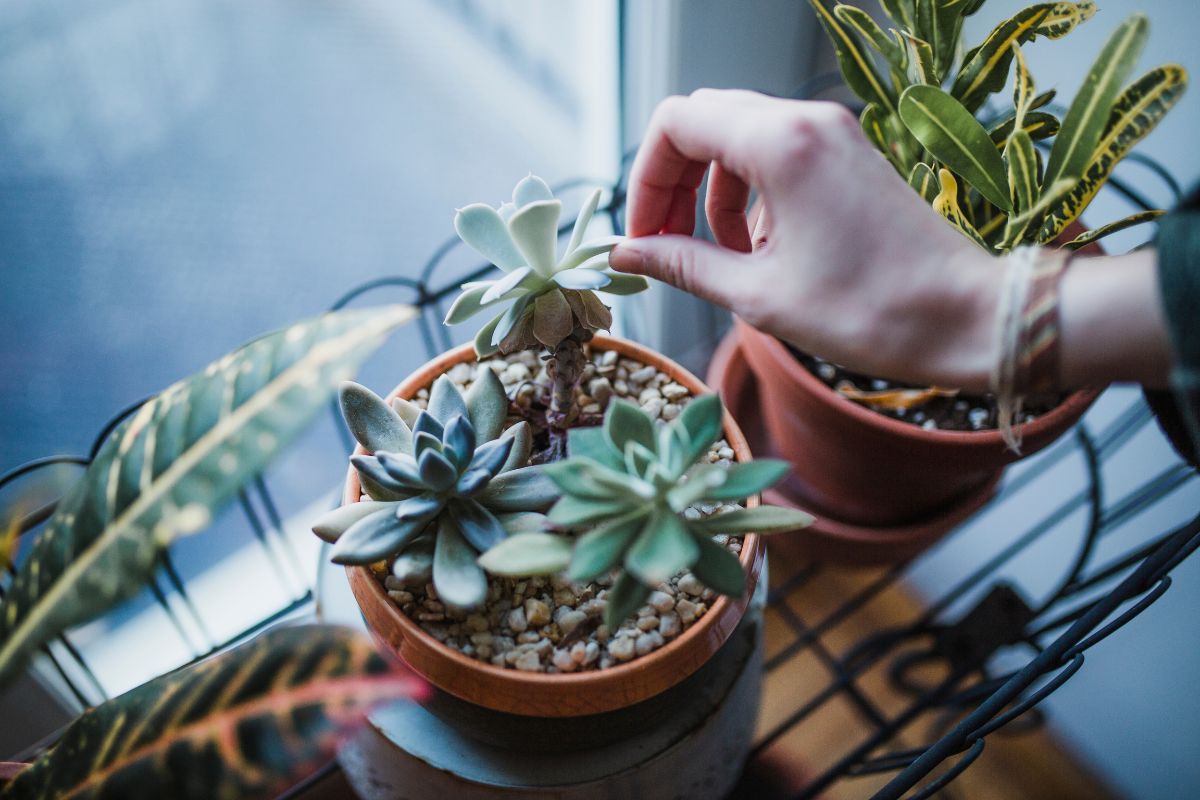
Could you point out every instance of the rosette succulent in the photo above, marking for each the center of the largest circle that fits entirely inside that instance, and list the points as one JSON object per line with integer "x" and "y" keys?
{"x": 444, "y": 485}
{"x": 634, "y": 486}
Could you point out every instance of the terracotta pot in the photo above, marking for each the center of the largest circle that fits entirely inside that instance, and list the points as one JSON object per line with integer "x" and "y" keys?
{"x": 827, "y": 539}
{"x": 860, "y": 467}
{"x": 555, "y": 695}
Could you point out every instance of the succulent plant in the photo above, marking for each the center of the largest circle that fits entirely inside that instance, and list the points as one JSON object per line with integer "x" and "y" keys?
{"x": 630, "y": 484}
{"x": 990, "y": 182}
{"x": 552, "y": 296}
{"x": 444, "y": 484}
{"x": 553, "y": 299}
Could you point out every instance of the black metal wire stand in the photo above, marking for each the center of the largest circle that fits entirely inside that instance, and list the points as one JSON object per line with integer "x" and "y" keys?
{"x": 1093, "y": 599}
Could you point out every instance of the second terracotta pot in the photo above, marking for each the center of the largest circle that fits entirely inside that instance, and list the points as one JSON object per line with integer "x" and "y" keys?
{"x": 856, "y": 466}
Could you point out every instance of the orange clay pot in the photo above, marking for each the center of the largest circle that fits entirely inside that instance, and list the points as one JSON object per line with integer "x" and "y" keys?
{"x": 556, "y": 695}
{"x": 882, "y": 490}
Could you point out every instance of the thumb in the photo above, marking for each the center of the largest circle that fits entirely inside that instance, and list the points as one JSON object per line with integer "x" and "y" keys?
{"x": 695, "y": 266}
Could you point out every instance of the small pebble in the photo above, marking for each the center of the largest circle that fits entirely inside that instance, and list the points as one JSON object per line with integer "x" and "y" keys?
{"x": 670, "y": 625}
{"x": 690, "y": 584}
{"x": 826, "y": 371}
{"x": 674, "y": 391}
{"x": 653, "y": 407}
{"x": 647, "y": 624}
{"x": 517, "y": 621}
{"x": 563, "y": 660}
{"x": 528, "y": 662}
{"x": 929, "y": 425}
{"x": 537, "y": 613}
{"x": 670, "y": 411}
{"x": 622, "y": 649}
{"x": 571, "y": 620}
{"x": 687, "y": 611}
{"x": 661, "y": 601}
{"x": 642, "y": 375}
{"x": 648, "y": 642}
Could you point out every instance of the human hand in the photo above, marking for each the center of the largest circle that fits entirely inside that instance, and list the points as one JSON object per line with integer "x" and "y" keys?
{"x": 847, "y": 261}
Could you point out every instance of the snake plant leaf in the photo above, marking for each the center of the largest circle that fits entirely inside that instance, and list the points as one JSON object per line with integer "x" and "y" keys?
{"x": 719, "y": 569}
{"x": 703, "y": 420}
{"x": 582, "y": 220}
{"x": 866, "y": 27}
{"x": 748, "y": 479}
{"x": 534, "y": 228}
{"x": 414, "y": 564}
{"x": 593, "y": 443}
{"x": 599, "y": 550}
{"x": 1020, "y": 159}
{"x": 582, "y": 279}
{"x": 436, "y": 471}
{"x": 1096, "y": 234}
{"x": 484, "y": 346}
{"x": 664, "y": 547}
{"x": 552, "y": 319}
{"x": 332, "y": 524}
{"x": 985, "y": 69}
{"x": 762, "y": 519}
{"x": 528, "y": 554}
{"x": 524, "y": 489}
{"x": 924, "y": 181}
{"x": 624, "y": 422}
{"x": 459, "y": 443}
{"x": 478, "y": 525}
{"x": 487, "y": 405}
{"x": 626, "y": 596}
{"x": 572, "y": 511}
{"x": 374, "y": 538}
{"x": 919, "y": 60}
{"x": 530, "y": 189}
{"x": 1088, "y": 117}
{"x": 522, "y": 436}
{"x": 194, "y": 446}
{"x": 854, "y": 61}
{"x": 1017, "y": 229}
{"x": 523, "y": 522}
{"x": 621, "y": 284}
{"x": 1038, "y": 124}
{"x": 460, "y": 582}
{"x": 485, "y": 231}
{"x": 946, "y": 204}
{"x": 955, "y": 138}
{"x": 446, "y": 402}
{"x": 1135, "y": 114}
{"x": 372, "y": 422}
{"x": 247, "y": 723}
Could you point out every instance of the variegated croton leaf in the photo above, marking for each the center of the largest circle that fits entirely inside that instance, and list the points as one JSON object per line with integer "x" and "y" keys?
{"x": 245, "y": 724}
{"x": 166, "y": 470}
{"x": 629, "y": 488}
{"x": 550, "y": 296}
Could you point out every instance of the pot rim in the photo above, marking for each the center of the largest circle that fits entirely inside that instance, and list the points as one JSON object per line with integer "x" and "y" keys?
{"x": 544, "y": 694}
{"x": 1062, "y": 415}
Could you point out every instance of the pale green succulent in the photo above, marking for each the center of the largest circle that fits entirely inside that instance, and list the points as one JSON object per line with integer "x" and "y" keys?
{"x": 443, "y": 485}
{"x": 551, "y": 296}
{"x": 631, "y": 484}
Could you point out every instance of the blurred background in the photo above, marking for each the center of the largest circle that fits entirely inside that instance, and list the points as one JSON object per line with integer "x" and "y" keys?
{"x": 177, "y": 176}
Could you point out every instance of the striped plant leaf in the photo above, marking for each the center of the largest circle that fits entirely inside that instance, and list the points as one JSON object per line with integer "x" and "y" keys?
{"x": 1137, "y": 111}
{"x": 165, "y": 471}
{"x": 873, "y": 129}
{"x": 1016, "y": 230}
{"x": 1020, "y": 159}
{"x": 1063, "y": 18}
{"x": 919, "y": 61}
{"x": 1096, "y": 234}
{"x": 900, "y": 12}
{"x": 955, "y": 138}
{"x": 946, "y": 204}
{"x": 989, "y": 222}
{"x": 1088, "y": 116}
{"x": 854, "y": 61}
{"x": 248, "y": 723}
{"x": 985, "y": 69}
{"x": 1038, "y": 124}
{"x": 866, "y": 27}
{"x": 939, "y": 22}
{"x": 1024, "y": 89}
{"x": 924, "y": 181}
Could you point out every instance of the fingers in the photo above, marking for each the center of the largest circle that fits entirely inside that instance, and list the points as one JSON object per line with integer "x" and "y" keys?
{"x": 685, "y": 135}
{"x": 725, "y": 207}
{"x": 705, "y": 270}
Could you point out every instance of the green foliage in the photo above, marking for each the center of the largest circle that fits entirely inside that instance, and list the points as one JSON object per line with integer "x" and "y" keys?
{"x": 551, "y": 297}
{"x": 924, "y": 119}
{"x": 631, "y": 487}
{"x": 170, "y": 467}
{"x": 443, "y": 491}
{"x": 247, "y": 723}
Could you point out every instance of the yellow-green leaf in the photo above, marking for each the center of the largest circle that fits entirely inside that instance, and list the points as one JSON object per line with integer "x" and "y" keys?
{"x": 1137, "y": 111}
{"x": 866, "y": 27}
{"x": 854, "y": 62}
{"x": 1017, "y": 230}
{"x": 1038, "y": 124}
{"x": 939, "y": 22}
{"x": 1089, "y": 113}
{"x": 1020, "y": 159}
{"x": 954, "y": 137}
{"x": 900, "y": 12}
{"x": 946, "y": 204}
{"x": 165, "y": 471}
{"x": 1096, "y": 234}
{"x": 919, "y": 61}
{"x": 248, "y": 723}
{"x": 985, "y": 69}
{"x": 872, "y": 127}
{"x": 923, "y": 181}
{"x": 1023, "y": 87}
{"x": 1063, "y": 18}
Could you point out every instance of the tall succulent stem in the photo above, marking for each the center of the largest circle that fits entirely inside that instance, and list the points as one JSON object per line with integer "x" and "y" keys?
{"x": 565, "y": 369}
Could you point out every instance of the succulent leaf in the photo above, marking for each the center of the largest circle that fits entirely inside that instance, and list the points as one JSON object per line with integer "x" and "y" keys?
{"x": 583, "y": 220}
{"x": 517, "y": 279}
{"x": 588, "y": 251}
{"x": 483, "y": 339}
{"x": 664, "y": 546}
{"x": 522, "y": 436}
{"x": 459, "y": 442}
{"x": 425, "y": 442}
{"x": 600, "y": 549}
{"x": 702, "y": 419}
{"x": 487, "y": 405}
{"x": 374, "y": 538}
{"x": 436, "y": 471}
{"x": 572, "y": 511}
{"x": 460, "y": 582}
{"x": 531, "y": 189}
{"x": 528, "y": 554}
{"x": 523, "y": 522}
{"x": 625, "y": 597}
{"x": 427, "y": 423}
{"x": 748, "y": 479}
{"x": 718, "y": 569}
{"x": 467, "y": 304}
{"x": 534, "y": 228}
{"x": 372, "y": 422}
{"x": 478, "y": 525}
{"x": 625, "y": 423}
{"x": 621, "y": 284}
{"x": 524, "y": 489}
{"x": 400, "y": 468}
{"x": 491, "y": 457}
{"x": 552, "y": 319}
{"x": 481, "y": 227}
{"x": 332, "y": 524}
{"x": 377, "y": 482}
{"x": 414, "y": 565}
{"x": 582, "y": 279}
{"x": 593, "y": 443}
{"x": 408, "y": 411}
{"x": 420, "y": 508}
{"x": 761, "y": 519}
{"x": 446, "y": 401}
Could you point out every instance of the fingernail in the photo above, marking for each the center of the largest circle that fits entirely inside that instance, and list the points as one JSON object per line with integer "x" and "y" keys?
{"x": 625, "y": 258}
